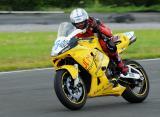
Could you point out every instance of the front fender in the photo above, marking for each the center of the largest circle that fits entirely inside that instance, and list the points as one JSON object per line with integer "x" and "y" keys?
{"x": 71, "y": 69}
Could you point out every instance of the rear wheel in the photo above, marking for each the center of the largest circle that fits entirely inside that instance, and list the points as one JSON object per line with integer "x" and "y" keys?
{"x": 137, "y": 90}
{"x": 72, "y": 97}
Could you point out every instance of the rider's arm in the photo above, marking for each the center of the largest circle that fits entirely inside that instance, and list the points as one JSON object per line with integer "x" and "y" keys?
{"x": 106, "y": 35}
{"x": 99, "y": 27}
{"x": 105, "y": 30}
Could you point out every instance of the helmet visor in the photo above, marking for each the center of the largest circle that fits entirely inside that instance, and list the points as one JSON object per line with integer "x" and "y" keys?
{"x": 80, "y": 25}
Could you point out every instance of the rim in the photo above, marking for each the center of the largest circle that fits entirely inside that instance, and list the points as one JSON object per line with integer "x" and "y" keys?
{"x": 76, "y": 93}
{"x": 141, "y": 85}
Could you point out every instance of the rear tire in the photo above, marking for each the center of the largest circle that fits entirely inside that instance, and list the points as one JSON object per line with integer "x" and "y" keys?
{"x": 129, "y": 94}
{"x": 71, "y": 97}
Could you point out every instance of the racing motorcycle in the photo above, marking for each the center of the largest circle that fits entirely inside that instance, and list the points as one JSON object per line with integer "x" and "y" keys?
{"x": 83, "y": 69}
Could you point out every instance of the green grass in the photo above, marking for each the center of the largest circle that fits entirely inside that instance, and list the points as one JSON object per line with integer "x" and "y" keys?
{"x": 32, "y": 50}
{"x": 25, "y": 50}
{"x": 146, "y": 46}
{"x": 122, "y": 9}
{"x": 108, "y": 9}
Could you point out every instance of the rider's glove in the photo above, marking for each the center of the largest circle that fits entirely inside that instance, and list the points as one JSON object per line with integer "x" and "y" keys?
{"x": 105, "y": 38}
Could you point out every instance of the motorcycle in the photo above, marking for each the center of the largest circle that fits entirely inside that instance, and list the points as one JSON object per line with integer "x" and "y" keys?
{"x": 83, "y": 70}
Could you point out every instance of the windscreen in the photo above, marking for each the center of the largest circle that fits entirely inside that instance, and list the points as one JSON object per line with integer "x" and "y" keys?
{"x": 65, "y": 29}
{"x": 66, "y": 32}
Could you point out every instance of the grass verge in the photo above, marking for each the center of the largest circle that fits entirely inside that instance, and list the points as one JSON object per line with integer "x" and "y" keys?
{"x": 109, "y": 9}
{"x": 32, "y": 49}
{"x": 25, "y": 50}
{"x": 147, "y": 45}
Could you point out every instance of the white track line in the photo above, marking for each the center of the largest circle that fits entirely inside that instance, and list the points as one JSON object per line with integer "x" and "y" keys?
{"x": 41, "y": 69}
{"x": 29, "y": 70}
{"x": 157, "y": 59}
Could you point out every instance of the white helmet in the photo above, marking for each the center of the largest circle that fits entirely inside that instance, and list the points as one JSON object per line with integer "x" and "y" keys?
{"x": 79, "y": 18}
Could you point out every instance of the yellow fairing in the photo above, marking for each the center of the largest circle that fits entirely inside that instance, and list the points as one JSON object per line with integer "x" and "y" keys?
{"x": 124, "y": 42}
{"x": 71, "y": 69}
{"x": 89, "y": 54}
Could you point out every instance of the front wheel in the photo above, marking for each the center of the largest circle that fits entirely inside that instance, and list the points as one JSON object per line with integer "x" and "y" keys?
{"x": 72, "y": 97}
{"x": 136, "y": 91}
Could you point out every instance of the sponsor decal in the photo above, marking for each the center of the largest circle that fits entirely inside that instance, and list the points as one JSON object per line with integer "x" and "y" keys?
{"x": 88, "y": 62}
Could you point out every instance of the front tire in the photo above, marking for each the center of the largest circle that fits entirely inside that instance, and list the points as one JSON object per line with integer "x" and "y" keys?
{"x": 70, "y": 96}
{"x": 129, "y": 94}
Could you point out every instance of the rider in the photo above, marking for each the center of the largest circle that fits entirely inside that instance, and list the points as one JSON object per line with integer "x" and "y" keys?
{"x": 80, "y": 19}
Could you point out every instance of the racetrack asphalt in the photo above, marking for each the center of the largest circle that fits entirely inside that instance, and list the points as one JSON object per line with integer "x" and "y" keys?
{"x": 31, "y": 94}
{"x": 50, "y": 21}
{"x": 54, "y": 27}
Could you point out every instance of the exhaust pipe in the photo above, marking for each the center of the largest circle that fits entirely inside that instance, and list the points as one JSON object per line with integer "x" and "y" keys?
{"x": 132, "y": 40}
{"x": 131, "y": 36}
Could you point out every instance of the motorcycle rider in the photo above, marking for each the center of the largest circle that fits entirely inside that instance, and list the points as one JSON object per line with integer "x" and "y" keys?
{"x": 80, "y": 19}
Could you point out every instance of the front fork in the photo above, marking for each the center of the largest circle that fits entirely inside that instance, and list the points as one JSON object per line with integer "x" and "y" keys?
{"x": 76, "y": 80}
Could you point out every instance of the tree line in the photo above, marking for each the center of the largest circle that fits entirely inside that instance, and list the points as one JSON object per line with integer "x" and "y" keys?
{"x": 37, "y": 4}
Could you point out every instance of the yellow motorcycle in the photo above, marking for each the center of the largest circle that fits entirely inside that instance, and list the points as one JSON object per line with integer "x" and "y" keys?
{"x": 84, "y": 70}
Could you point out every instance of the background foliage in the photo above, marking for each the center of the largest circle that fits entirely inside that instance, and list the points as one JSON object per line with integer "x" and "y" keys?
{"x": 38, "y": 4}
